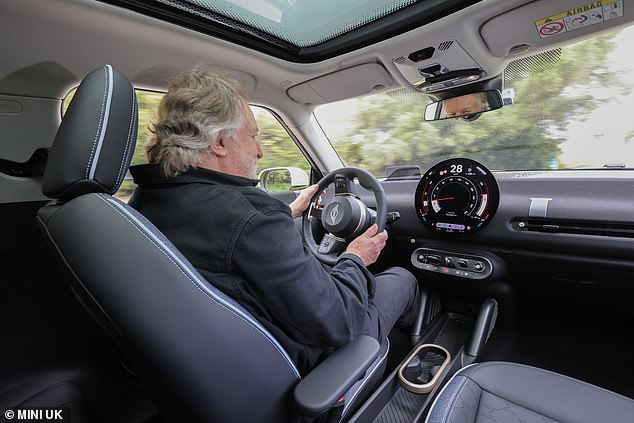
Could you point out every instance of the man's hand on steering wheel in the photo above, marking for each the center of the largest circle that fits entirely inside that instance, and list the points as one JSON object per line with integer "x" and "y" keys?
{"x": 300, "y": 204}
{"x": 368, "y": 245}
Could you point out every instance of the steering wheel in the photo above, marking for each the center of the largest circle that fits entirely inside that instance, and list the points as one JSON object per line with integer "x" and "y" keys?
{"x": 346, "y": 216}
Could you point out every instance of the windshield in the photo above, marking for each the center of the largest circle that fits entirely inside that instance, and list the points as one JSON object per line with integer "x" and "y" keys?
{"x": 575, "y": 113}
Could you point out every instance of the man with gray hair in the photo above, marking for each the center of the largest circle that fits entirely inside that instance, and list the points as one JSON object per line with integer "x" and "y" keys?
{"x": 465, "y": 105}
{"x": 199, "y": 190}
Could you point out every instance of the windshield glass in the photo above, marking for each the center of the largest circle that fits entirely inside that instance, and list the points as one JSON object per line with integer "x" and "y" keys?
{"x": 575, "y": 113}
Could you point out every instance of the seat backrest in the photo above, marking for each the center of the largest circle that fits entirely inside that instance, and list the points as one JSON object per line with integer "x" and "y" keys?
{"x": 201, "y": 355}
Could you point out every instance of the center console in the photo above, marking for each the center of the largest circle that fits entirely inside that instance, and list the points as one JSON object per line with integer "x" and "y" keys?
{"x": 450, "y": 343}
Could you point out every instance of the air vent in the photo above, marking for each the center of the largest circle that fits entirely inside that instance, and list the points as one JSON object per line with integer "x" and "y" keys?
{"x": 580, "y": 227}
{"x": 421, "y": 55}
{"x": 399, "y": 60}
{"x": 445, "y": 45}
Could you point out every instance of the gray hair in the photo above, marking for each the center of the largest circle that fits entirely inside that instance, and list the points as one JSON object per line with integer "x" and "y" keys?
{"x": 199, "y": 107}
{"x": 483, "y": 100}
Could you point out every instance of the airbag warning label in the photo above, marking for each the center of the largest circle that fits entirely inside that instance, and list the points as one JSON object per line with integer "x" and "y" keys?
{"x": 570, "y": 20}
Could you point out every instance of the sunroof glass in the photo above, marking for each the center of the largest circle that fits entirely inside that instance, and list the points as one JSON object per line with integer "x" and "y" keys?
{"x": 303, "y": 23}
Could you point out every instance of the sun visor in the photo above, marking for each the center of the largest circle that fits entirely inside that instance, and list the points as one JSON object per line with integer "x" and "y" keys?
{"x": 346, "y": 83}
{"x": 154, "y": 78}
{"x": 543, "y": 23}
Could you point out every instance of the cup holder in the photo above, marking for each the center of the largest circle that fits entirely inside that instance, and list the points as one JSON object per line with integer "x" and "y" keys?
{"x": 423, "y": 367}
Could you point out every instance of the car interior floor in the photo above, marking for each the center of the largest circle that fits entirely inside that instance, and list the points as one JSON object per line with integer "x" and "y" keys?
{"x": 578, "y": 341}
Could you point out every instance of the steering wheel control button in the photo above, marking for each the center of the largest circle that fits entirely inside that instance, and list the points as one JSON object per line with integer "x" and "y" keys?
{"x": 452, "y": 264}
{"x": 331, "y": 244}
{"x": 341, "y": 185}
{"x": 324, "y": 246}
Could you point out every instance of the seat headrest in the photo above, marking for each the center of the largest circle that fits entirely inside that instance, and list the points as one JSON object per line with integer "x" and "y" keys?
{"x": 96, "y": 139}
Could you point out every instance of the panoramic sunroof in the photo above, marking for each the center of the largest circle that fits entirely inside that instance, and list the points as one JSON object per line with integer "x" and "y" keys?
{"x": 299, "y": 30}
{"x": 303, "y": 23}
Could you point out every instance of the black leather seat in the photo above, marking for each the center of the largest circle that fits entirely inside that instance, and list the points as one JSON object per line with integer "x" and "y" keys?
{"x": 201, "y": 355}
{"x": 511, "y": 393}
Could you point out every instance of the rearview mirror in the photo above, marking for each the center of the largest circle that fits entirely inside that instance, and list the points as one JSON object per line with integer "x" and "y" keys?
{"x": 467, "y": 106}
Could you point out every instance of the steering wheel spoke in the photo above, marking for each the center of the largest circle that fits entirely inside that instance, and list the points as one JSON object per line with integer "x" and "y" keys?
{"x": 344, "y": 185}
{"x": 331, "y": 244}
{"x": 314, "y": 213}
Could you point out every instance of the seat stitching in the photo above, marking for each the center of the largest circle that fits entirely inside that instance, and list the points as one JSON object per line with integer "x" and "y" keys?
{"x": 41, "y": 392}
{"x": 193, "y": 282}
{"x": 444, "y": 388}
{"x": 127, "y": 143}
{"x": 455, "y": 396}
{"x": 198, "y": 287}
{"x": 368, "y": 377}
{"x": 479, "y": 397}
{"x": 515, "y": 403}
{"x": 99, "y": 128}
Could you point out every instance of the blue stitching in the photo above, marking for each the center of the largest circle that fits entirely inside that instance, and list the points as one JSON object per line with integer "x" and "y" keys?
{"x": 237, "y": 314}
{"x": 99, "y": 128}
{"x": 455, "y": 395}
{"x": 368, "y": 377}
{"x": 127, "y": 143}
{"x": 41, "y": 392}
{"x": 106, "y": 116}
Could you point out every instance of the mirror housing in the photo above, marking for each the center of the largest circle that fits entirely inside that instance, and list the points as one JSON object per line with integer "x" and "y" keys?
{"x": 468, "y": 106}
{"x": 276, "y": 179}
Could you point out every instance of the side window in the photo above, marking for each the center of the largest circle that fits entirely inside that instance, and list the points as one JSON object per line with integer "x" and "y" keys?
{"x": 148, "y": 102}
{"x": 278, "y": 147}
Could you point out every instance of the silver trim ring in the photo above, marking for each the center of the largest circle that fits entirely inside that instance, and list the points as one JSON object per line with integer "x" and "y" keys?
{"x": 361, "y": 219}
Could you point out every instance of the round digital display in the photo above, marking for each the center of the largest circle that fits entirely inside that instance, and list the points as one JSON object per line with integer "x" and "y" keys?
{"x": 457, "y": 196}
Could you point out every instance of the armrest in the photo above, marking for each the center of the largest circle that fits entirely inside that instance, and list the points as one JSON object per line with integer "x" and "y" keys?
{"x": 326, "y": 383}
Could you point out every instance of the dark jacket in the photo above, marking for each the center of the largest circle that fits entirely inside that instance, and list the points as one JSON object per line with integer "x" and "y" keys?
{"x": 245, "y": 243}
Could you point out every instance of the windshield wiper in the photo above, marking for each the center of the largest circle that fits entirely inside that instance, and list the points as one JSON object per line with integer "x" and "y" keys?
{"x": 614, "y": 165}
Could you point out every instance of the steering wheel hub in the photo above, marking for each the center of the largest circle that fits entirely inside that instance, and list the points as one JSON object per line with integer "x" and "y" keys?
{"x": 345, "y": 217}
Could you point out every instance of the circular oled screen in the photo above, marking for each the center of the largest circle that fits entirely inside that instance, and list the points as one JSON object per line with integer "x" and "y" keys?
{"x": 456, "y": 197}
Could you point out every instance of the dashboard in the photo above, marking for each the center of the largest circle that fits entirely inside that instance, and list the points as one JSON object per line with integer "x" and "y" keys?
{"x": 585, "y": 212}
{"x": 555, "y": 233}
